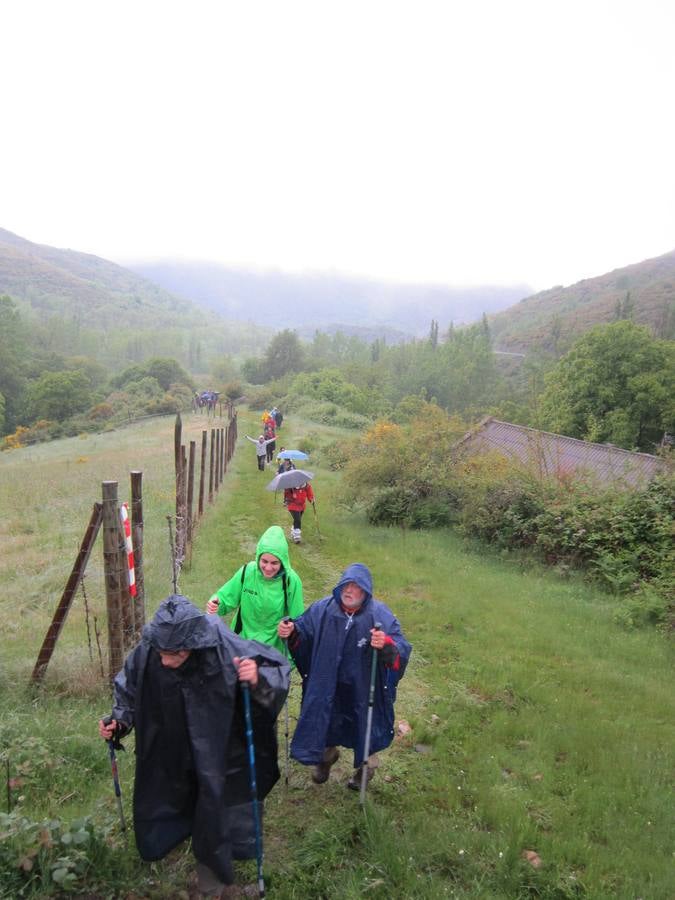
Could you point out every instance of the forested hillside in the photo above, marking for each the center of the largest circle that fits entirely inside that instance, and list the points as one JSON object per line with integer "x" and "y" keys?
{"x": 79, "y": 304}
{"x": 552, "y": 319}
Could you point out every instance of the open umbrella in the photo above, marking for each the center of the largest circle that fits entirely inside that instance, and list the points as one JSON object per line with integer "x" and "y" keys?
{"x": 291, "y": 479}
{"x": 292, "y": 454}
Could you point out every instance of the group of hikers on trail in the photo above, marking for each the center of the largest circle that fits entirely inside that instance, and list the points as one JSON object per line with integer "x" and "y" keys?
{"x": 266, "y": 444}
{"x": 204, "y": 699}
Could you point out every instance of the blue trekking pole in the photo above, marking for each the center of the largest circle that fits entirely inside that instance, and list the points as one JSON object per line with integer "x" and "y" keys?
{"x": 246, "y": 691}
{"x": 369, "y": 721}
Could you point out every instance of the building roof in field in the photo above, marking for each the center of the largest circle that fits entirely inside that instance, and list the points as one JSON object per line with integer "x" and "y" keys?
{"x": 557, "y": 455}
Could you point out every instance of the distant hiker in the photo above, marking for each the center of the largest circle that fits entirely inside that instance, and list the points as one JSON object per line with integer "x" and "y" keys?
{"x": 295, "y": 500}
{"x": 278, "y": 418}
{"x": 270, "y": 434}
{"x": 180, "y": 689}
{"x": 260, "y": 449}
{"x": 285, "y": 465}
{"x": 262, "y": 592}
{"x": 331, "y": 644}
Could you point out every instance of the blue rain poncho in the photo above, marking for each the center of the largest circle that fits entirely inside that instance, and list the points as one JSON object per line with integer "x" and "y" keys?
{"x": 332, "y": 651}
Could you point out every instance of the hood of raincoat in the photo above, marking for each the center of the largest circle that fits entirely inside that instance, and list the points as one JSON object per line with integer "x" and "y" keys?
{"x": 179, "y": 625}
{"x": 274, "y": 541}
{"x": 359, "y": 574}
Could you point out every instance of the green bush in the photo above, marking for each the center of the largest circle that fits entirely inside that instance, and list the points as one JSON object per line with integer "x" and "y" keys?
{"x": 328, "y": 413}
{"x": 51, "y": 858}
{"x": 410, "y": 475}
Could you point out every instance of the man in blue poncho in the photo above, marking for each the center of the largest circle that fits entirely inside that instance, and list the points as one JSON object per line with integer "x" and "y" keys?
{"x": 179, "y": 689}
{"x": 331, "y": 644}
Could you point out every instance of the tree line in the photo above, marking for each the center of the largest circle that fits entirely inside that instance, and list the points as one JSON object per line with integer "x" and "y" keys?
{"x": 616, "y": 383}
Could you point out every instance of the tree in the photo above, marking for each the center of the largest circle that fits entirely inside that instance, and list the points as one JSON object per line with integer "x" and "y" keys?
{"x": 433, "y": 334}
{"x": 13, "y": 355}
{"x": 167, "y": 372}
{"x": 616, "y": 384}
{"x": 284, "y": 354}
{"x": 59, "y": 395}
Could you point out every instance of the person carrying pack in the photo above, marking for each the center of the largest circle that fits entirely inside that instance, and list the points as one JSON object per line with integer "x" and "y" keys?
{"x": 262, "y": 592}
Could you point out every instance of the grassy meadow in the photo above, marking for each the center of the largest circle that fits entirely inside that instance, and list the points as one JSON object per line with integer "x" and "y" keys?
{"x": 539, "y": 759}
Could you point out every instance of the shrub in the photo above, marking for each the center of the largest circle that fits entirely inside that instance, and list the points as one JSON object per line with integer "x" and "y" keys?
{"x": 16, "y": 440}
{"x": 410, "y": 474}
{"x": 233, "y": 390}
{"x": 51, "y": 856}
{"x": 101, "y": 412}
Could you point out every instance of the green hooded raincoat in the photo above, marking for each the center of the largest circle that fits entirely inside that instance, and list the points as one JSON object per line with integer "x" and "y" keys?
{"x": 262, "y": 602}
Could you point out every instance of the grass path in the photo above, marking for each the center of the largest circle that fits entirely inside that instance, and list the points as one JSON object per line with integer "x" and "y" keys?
{"x": 537, "y": 724}
{"x": 541, "y": 725}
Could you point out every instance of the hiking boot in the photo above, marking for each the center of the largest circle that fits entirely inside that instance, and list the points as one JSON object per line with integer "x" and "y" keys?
{"x": 322, "y": 771}
{"x": 354, "y": 782}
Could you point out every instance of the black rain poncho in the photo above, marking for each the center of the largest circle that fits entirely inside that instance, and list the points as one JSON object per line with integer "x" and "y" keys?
{"x": 192, "y": 777}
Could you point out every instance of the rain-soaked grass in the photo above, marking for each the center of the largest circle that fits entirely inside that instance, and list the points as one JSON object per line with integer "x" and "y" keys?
{"x": 540, "y": 750}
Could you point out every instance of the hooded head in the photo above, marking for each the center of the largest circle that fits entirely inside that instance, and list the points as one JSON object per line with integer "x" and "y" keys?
{"x": 358, "y": 574}
{"x": 262, "y": 437}
{"x": 179, "y": 625}
{"x": 274, "y": 541}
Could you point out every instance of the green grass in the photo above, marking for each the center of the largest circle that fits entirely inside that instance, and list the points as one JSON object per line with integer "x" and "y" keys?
{"x": 537, "y": 724}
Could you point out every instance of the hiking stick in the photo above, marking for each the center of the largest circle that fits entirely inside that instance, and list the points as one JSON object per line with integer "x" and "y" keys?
{"x": 246, "y": 691}
{"x": 116, "y": 783}
{"x": 316, "y": 521}
{"x": 115, "y": 775}
{"x": 369, "y": 721}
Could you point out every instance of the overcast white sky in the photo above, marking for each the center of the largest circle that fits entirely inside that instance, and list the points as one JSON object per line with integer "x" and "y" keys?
{"x": 457, "y": 142}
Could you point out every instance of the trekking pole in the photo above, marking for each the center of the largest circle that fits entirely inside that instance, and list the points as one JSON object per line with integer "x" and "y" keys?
{"x": 286, "y": 619}
{"x": 172, "y": 548}
{"x": 369, "y": 721}
{"x": 115, "y": 775}
{"x": 316, "y": 521}
{"x": 246, "y": 691}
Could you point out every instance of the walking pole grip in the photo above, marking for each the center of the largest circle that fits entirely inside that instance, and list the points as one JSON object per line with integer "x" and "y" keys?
{"x": 369, "y": 722}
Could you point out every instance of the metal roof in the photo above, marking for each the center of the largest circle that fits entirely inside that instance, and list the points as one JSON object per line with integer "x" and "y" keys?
{"x": 557, "y": 455}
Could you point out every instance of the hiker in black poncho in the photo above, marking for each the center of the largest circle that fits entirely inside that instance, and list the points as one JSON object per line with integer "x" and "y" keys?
{"x": 179, "y": 689}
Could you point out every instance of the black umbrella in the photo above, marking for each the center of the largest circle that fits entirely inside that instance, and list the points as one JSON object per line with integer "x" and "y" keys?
{"x": 291, "y": 479}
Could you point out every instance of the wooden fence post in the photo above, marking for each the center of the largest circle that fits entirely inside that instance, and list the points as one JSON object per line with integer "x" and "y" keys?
{"x": 202, "y": 472}
{"x": 190, "y": 493}
{"x": 181, "y": 511}
{"x": 217, "y": 465}
{"x": 221, "y": 458}
{"x": 137, "y": 541}
{"x": 71, "y": 587}
{"x": 177, "y": 440}
{"x": 115, "y": 586}
{"x": 211, "y": 463}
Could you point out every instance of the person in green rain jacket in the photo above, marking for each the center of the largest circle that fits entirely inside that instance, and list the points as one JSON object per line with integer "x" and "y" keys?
{"x": 262, "y": 592}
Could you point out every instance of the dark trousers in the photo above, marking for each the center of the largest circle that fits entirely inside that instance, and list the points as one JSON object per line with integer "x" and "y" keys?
{"x": 261, "y": 463}
{"x": 296, "y": 515}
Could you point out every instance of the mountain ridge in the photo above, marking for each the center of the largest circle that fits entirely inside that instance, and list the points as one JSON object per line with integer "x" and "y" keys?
{"x": 315, "y": 301}
{"x": 552, "y": 319}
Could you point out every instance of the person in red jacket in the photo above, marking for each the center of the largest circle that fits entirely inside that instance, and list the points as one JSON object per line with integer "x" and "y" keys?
{"x": 295, "y": 500}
